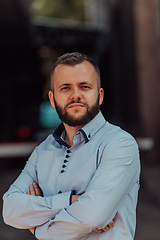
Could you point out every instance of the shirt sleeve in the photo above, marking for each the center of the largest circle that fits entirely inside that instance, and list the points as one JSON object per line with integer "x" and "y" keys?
{"x": 26, "y": 211}
{"x": 118, "y": 170}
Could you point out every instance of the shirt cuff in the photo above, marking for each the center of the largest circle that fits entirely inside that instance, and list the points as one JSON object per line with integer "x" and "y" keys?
{"x": 62, "y": 200}
{"x": 42, "y": 232}
{"x": 73, "y": 192}
{"x": 35, "y": 231}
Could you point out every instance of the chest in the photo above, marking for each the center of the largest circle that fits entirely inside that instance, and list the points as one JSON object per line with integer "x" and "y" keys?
{"x": 64, "y": 170}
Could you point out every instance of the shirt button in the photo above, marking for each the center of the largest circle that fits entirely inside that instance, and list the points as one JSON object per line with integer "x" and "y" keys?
{"x": 59, "y": 192}
{"x": 68, "y": 151}
{"x": 62, "y": 171}
{"x": 67, "y": 156}
{"x": 63, "y": 166}
{"x": 65, "y": 161}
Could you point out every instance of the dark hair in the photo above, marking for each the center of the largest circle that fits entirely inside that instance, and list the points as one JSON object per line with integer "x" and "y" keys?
{"x": 73, "y": 59}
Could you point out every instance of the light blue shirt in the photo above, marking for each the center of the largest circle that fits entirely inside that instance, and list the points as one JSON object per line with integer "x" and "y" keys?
{"x": 102, "y": 166}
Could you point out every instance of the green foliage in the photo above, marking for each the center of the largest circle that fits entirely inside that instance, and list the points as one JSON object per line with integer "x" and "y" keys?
{"x": 64, "y": 9}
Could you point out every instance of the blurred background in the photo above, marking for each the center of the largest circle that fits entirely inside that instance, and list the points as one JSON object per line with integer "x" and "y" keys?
{"x": 123, "y": 37}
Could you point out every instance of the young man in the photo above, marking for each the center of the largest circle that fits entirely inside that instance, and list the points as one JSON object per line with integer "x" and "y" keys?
{"x": 82, "y": 182}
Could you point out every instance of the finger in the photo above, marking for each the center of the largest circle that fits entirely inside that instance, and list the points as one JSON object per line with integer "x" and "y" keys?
{"x": 98, "y": 230}
{"x": 32, "y": 191}
{"x": 115, "y": 217}
{"x": 111, "y": 224}
{"x": 28, "y": 193}
{"x": 106, "y": 228}
{"x": 31, "y": 230}
{"x": 37, "y": 189}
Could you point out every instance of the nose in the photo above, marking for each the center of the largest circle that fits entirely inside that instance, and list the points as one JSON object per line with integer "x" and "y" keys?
{"x": 76, "y": 94}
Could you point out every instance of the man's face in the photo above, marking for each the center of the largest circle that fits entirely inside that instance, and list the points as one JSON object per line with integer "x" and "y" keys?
{"x": 76, "y": 96}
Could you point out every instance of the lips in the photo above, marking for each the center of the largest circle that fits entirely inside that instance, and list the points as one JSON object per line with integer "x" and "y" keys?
{"x": 76, "y": 105}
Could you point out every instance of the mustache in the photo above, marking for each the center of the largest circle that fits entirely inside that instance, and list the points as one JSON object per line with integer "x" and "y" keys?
{"x": 78, "y": 101}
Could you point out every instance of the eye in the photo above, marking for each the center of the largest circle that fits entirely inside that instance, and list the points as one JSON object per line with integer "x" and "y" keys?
{"x": 64, "y": 88}
{"x": 85, "y": 87}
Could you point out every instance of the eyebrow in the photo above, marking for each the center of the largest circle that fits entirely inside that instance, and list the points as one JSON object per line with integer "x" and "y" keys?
{"x": 82, "y": 83}
{"x": 64, "y": 84}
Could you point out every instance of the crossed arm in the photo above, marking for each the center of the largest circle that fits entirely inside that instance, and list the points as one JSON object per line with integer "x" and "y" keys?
{"x": 35, "y": 190}
{"x": 53, "y": 218}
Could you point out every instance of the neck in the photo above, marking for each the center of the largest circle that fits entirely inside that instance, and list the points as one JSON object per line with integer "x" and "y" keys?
{"x": 70, "y": 132}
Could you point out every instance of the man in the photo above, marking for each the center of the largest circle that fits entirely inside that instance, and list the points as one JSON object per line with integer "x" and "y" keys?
{"x": 84, "y": 179}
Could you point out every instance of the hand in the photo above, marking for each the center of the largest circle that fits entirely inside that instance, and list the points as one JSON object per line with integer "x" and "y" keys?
{"x": 34, "y": 190}
{"x": 74, "y": 198}
{"x": 108, "y": 226}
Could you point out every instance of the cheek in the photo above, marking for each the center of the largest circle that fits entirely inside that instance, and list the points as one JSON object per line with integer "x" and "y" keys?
{"x": 92, "y": 97}
{"x": 61, "y": 100}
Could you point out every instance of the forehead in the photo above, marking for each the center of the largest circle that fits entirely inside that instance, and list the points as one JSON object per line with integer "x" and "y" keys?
{"x": 73, "y": 74}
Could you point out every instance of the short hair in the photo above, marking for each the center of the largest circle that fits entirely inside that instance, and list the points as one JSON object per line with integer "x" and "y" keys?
{"x": 73, "y": 59}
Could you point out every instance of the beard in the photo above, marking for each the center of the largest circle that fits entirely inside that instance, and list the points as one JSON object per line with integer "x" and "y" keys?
{"x": 72, "y": 121}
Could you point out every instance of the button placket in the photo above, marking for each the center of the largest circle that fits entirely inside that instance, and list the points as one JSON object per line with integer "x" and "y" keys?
{"x": 63, "y": 167}
{"x": 65, "y": 161}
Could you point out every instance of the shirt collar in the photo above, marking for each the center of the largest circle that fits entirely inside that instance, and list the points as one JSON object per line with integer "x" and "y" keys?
{"x": 87, "y": 131}
{"x": 93, "y": 126}
{"x": 57, "y": 135}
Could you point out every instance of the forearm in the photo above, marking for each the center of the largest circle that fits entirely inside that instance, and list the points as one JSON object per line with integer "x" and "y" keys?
{"x": 24, "y": 211}
{"x": 61, "y": 229}
{"x": 70, "y": 229}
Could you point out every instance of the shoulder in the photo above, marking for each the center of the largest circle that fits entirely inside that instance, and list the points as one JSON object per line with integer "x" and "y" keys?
{"x": 45, "y": 145}
{"x": 115, "y": 136}
{"x": 119, "y": 147}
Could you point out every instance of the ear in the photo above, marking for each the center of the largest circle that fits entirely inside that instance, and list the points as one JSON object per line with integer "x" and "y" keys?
{"x": 101, "y": 95}
{"x": 51, "y": 98}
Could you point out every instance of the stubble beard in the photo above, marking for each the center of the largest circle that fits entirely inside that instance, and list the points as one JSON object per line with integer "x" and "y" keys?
{"x": 69, "y": 119}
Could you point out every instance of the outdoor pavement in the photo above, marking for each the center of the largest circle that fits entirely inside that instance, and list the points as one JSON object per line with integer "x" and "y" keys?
{"x": 148, "y": 210}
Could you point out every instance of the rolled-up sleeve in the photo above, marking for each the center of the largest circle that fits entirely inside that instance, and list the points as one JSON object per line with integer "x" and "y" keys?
{"x": 118, "y": 170}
